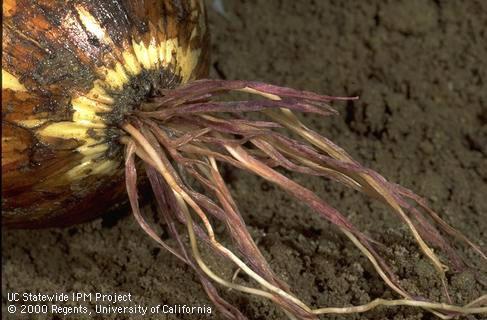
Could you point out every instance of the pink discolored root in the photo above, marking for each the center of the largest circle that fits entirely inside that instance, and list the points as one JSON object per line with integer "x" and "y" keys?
{"x": 185, "y": 135}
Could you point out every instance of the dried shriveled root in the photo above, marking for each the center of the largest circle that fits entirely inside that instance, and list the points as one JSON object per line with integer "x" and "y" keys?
{"x": 186, "y": 134}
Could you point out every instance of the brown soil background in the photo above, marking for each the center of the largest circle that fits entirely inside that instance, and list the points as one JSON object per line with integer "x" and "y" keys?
{"x": 420, "y": 69}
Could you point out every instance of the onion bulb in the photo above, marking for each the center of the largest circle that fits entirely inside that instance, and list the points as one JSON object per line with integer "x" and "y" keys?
{"x": 70, "y": 71}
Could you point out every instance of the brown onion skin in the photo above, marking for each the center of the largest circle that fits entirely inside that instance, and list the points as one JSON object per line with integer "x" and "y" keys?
{"x": 55, "y": 51}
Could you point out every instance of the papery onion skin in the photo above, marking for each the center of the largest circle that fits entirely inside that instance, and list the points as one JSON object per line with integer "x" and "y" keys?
{"x": 71, "y": 70}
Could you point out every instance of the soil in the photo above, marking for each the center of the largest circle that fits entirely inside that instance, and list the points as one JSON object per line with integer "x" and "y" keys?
{"x": 420, "y": 70}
